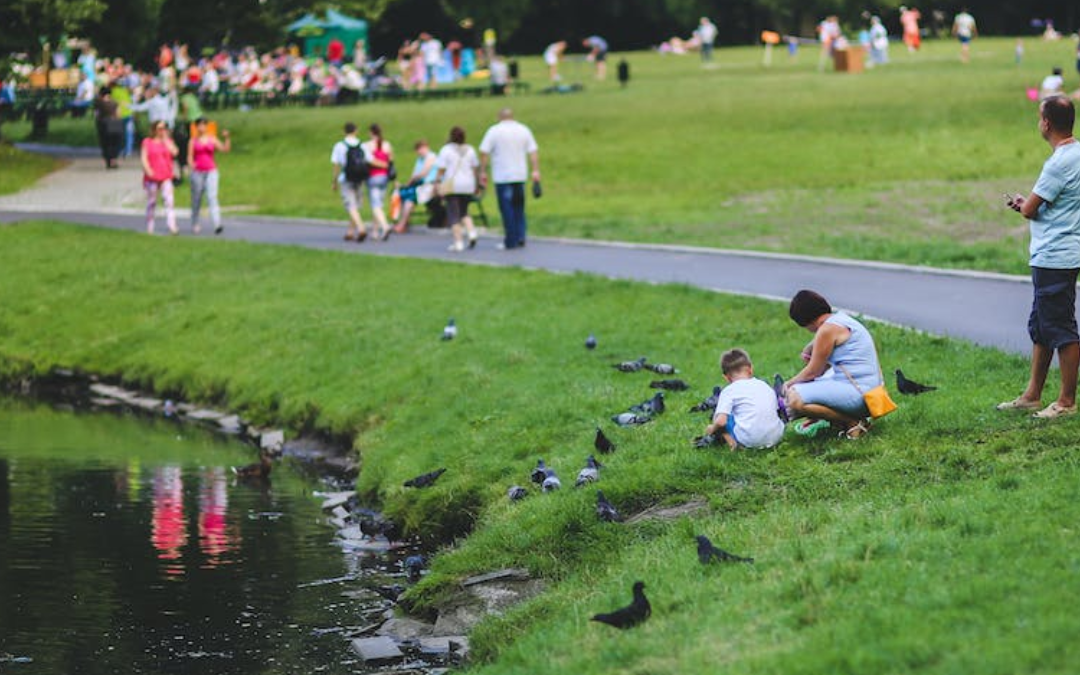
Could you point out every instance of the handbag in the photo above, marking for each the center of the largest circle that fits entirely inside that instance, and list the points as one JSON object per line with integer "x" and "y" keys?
{"x": 446, "y": 187}
{"x": 878, "y": 402}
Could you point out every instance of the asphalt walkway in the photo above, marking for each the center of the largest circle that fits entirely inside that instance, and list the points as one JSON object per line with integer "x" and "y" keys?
{"x": 987, "y": 309}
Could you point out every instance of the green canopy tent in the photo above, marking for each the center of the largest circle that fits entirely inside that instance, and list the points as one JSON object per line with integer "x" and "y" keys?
{"x": 315, "y": 34}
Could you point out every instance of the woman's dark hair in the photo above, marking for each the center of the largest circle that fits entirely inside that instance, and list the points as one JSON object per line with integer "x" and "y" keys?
{"x": 457, "y": 135}
{"x": 807, "y": 306}
{"x": 376, "y": 131}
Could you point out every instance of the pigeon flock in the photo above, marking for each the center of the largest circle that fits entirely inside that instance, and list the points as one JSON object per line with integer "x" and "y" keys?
{"x": 546, "y": 478}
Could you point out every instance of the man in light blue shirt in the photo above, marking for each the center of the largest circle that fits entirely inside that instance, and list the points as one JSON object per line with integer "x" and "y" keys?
{"x": 1053, "y": 209}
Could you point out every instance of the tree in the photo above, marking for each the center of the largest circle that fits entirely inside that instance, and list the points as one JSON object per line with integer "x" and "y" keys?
{"x": 32, "y": 24}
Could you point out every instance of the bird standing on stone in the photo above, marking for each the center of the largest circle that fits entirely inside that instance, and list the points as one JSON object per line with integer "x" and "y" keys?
{"x": 911, "y": 387}
{"x": 605, "y": 510}
{"x": 414, "y": 567}
{"x": 591, "y": 472}
{"x": 551, "y": 481}
{"x": 670, "y": 385}
{"x": 450, "y": 331}
{"x": 631, "y": 366}
{"x": 590, "y": 342}
{"x": 709, "y": 404}
{"x": 539, "y": 473}
{"x": 425, "y": 480}
{"x": 631, "y": 615}
{"x": 706, "y": 552}
{"x": 517, "y": 493}
{"x": 602, "y": 443}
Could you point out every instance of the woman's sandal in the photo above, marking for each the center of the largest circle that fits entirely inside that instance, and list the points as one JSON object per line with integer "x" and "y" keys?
{"x": 857, "y": 430}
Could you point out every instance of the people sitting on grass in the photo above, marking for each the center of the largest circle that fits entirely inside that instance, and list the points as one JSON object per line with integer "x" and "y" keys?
{"x": 746, "y": 413}
{"x": 842, "y": 365}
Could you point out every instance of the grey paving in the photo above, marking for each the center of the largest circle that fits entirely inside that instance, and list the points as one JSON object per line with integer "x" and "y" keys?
{"x": 987, "y": 309}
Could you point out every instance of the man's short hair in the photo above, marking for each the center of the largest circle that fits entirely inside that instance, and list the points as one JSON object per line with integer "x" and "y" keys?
{"x": 807, "y": 306}
{"x": 350, "y": 127}
{"x": 734, "y": 360}
{"x": 1059, "y": 113}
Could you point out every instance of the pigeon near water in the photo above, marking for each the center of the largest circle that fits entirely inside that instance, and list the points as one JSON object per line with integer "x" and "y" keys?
{"x": 631, "y": 615}
{"x": 653, "y": 406}
{"x": 631, "y": 366}
{"x": 517, "y": 493}
{"x": 706, "y": 553}
{"x": 590, "y": 342}
{"x": 390, "y": 530}
{"x": 450, "y": 331}
{"x": 551, "y": 481}
{"x": 629, "y": 419}
{"x": 426, "y": 479}
{"x": 605, "y": 510}
{"x": 910, "y": 387}
{"x": 591, "y": 472}
{"x": 414, "y": 567}
{"x": 539, "y": 473}
{"x": 602, "y": 443}
{"x": 709, "y": 404}
{"x": 662, "y": 368}
{"x": 670, "y": 385}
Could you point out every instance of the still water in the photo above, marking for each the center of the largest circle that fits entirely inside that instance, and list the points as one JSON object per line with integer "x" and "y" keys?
{"x": 126, "y": 546}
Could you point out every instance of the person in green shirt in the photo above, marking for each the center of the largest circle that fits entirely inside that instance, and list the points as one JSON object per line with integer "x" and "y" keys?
{"x": 190, "y": 109}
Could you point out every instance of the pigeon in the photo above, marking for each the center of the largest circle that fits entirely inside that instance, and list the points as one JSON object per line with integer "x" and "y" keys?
{"x": 369, "y": 528}
{"x": 390, "y": 530}
{"x": 662, "y": 368}
{"x": 605, "y": 510}
{"x": 169, "y": 409}
{"x": 425, "y": 480}
{"x": 707, "y": 552}
{"x": 781, "y": 403}
{"x": 590, "y": 342}
{"x": 602, "y": 443}
{"x": 591, "y": 472}
{"x": 414, "y": 567}
{"x": 539, "y": 473}
{"x": 670, "y": 385}
{"x": 551, "y": 481}
{"x": 450, "y": 332}
{"x": 653, "y": 406}
{"x": 706, "y": 441}
{"x": 906, "y": 386}
{"x": 391, "y": 592}
{"x": 259, "y": 471}
{"x": 629, "y": 419}
{"x": 516, "y": 493}
{"x": 709, "y": 404}
{"x": 631, "y": 366}
{"x": 631, "y": 615}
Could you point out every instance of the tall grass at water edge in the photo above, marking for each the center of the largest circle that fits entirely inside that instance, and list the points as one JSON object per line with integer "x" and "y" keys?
{"x": 939, "y": 543}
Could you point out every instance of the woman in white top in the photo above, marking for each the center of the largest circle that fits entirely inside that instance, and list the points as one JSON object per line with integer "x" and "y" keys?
{"x": 456, "y": 182}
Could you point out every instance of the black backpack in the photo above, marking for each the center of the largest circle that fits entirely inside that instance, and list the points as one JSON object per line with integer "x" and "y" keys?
{"x": 356, "y": 165}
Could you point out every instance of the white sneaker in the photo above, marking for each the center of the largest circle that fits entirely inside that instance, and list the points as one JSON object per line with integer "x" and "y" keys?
{"x": 456, "y": 247}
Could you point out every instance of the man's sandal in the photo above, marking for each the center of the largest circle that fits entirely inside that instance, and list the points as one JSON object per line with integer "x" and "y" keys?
{"x": 1053, "y": 411}
{"x": 1018, "y": 404}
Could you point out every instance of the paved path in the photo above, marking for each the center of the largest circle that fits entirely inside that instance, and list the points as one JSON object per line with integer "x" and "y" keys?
{"x": 988, "y": 309}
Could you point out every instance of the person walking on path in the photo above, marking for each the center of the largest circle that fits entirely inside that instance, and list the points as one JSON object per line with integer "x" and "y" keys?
{"x": 110, "y": 128}
{"x": 456, "y": 181}
{"x": 350, "y": 173}
{"x": 204, "y": 172}
{"x": 158, "y": 154}
{"x": 380, "y": 155}
{"x": 1053, "y": 212}
{"x": 510, "y": 148}
{"x": 963, "y": 28}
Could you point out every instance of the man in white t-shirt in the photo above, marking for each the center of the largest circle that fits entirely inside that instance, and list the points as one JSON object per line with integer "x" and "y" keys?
{"x": 431, "y": 51}
{"x": 963, "y": 28}
{"x": 509, "y": 147}
{"x": 349, "y": 186}
{"x": 746, "y": 414}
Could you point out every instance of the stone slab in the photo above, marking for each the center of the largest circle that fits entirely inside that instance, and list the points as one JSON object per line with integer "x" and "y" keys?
{"x": 377, "y": 649}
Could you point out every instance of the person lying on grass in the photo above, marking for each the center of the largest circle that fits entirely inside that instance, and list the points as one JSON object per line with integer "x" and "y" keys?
{"x": 746, "y": 411}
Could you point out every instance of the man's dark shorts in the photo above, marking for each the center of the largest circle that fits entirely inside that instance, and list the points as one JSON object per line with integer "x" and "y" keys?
{"x": 1052, "y": 323}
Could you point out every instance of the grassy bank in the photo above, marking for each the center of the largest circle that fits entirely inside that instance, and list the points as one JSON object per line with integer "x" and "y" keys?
{"x": 22, "y": 169}
{"x": 904, "y": 163}
{"x": 940, "y": 543}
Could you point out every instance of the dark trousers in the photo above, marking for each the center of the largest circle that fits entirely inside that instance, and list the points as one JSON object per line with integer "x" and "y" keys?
{"x": 511, "y": 198}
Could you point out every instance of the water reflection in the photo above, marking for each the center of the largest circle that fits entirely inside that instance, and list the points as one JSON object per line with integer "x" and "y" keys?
{"x": 126, "y": 547}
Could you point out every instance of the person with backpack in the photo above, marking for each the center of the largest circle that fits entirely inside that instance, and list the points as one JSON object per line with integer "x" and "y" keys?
{"x": 351, "y": 171}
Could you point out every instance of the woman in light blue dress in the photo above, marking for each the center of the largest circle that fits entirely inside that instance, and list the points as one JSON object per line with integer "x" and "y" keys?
{"x": 842, "y": 365}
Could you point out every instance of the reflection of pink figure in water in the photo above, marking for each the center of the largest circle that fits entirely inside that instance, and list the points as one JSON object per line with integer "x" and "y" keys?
{"x": 169, "y": 533}
{"x": 215, "y": 538}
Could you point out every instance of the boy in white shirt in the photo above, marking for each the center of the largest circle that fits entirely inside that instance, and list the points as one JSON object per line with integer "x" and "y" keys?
{"x": 746, "y": 412}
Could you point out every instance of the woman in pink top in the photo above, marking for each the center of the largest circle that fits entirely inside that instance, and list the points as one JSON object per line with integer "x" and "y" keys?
{"x": 204, "y": 173}
{"x": 379, "y": 156}
{"x": 157, "y": 154}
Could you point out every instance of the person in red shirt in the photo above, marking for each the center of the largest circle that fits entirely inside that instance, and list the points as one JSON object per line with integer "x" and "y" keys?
{"x": 335, "y": 52}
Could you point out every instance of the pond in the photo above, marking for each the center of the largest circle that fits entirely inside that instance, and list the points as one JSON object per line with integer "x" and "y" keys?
{"x": 127, "y": 546}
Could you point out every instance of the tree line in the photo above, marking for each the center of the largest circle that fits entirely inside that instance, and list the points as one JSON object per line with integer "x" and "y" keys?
{"x": 134, "y": 28}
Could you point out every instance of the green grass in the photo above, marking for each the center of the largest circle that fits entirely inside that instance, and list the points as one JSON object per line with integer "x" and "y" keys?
{"x": 941, "y": 543}
{"x": 904, "y": 163}
{"x": 22, "y": 169}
